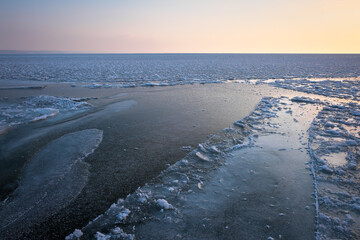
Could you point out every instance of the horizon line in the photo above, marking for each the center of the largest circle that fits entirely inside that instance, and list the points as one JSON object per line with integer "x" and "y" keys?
{"x": 75, "y": 52}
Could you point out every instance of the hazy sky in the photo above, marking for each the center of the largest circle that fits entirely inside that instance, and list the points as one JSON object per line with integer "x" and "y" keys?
{"x": 129, "y": 26}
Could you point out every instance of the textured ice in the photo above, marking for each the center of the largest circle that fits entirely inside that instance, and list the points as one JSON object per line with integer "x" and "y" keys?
{"x": 129, "y": 70}
{"x": 123, "y": 214}
{"x": 344, "y": 89}
{"x": 37, "y": 108}
{"x": 334, "y": 146}
{"x": 52, "y": 178}
{"x": 164, "y": 204}
{"x": 61, "y": 103}
{"x": 335, "y": 150}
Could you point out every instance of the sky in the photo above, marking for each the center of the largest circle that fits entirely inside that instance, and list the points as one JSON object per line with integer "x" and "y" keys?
{"x": 181, "y": 26}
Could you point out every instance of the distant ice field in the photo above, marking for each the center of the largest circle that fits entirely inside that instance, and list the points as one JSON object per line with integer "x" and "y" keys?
{"x": 173, "y": 69}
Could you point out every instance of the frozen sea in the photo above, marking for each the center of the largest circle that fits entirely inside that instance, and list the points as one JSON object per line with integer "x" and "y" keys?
{"x": 179, "y": 146}
{"x": 173, "y": 68}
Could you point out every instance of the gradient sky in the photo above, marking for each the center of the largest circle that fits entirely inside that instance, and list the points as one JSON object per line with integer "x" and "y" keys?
{"x": 167, "y": 26}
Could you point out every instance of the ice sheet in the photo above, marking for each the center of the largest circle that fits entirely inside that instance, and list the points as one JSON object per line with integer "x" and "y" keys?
{"x": 51, "y": 179}
{"x": 220, "y": 190}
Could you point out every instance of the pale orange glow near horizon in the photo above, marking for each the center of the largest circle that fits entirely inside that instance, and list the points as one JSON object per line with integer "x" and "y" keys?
{"x": 200, "y": 26}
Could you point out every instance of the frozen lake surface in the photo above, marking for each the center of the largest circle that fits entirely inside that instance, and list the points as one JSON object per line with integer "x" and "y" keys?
{"x": 92, "y": 147}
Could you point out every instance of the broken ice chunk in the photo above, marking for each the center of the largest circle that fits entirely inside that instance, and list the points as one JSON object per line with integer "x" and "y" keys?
{"x": 214, "y": 149}
{"x": 164, "y": 204}
{"x": 123, "y": 214}
{"x": 202, "y": 156}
